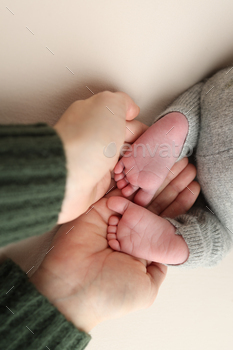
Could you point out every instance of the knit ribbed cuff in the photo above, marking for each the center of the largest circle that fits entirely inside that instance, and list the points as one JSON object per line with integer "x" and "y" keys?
{"x": 32, "y": 180}
{"x": 189, "y": 105}
{"x": 194, "y": 241}
{"x": 208, "y": 241}
{"x": 28, "y": 320}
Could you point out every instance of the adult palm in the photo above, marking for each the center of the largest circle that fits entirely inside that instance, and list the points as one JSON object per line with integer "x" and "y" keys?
{"x": 88, "y": 281}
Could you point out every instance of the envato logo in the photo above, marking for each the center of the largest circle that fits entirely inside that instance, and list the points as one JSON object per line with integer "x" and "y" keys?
{"x": 164, "y": 150}
{"x": 110, "y": 150}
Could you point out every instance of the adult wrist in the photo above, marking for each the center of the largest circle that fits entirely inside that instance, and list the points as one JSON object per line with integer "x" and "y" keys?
{"x": 56, "y": 291}
{"x": 76, "y": 177}
{"x": 37, "y": 323}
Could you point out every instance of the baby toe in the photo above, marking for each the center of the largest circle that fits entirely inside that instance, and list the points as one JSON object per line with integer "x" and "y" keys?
{"x": 119, "y": 177}
{"x": 118, "y": 204}
{"x": 119, "y": 167}
{"x": 128, "y": 190}
{"x": 113, "y": 220}
{"x": 112, "y": 229}
{"x": 122, "y": 183}
{"x": 111, "y": 236}
{"x": 114, "y": 244}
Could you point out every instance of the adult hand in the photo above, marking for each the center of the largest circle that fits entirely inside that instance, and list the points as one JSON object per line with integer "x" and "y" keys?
{"x": 92, "y": 132}
{"x": 88, "y": 281}
{"x": 178, "y": 192}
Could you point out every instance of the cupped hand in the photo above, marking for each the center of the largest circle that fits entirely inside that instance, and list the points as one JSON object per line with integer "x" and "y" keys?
{"x": 92, "y": 132}
{"x": 88, "y": 281}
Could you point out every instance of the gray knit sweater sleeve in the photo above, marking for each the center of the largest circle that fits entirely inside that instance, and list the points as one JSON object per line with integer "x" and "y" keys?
{"x": 208, "y": 227}
{"x": 208, "y": 240}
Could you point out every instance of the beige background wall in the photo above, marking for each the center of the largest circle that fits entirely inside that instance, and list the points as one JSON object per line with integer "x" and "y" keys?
{"x": 153, "y": 50}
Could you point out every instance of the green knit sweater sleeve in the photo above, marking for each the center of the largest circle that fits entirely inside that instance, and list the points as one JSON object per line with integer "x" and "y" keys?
{"x": 28, "y": 320}
{"x": 32, "y": 186}
{"x": 32, "y": 180}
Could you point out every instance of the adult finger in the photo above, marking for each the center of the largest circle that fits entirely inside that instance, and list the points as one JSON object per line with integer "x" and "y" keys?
{"x": 171, "y": 191}
{"x": 183, "y": 202}
{"x": 134, "y": 129}
{"x": 132, "y": 109}
{"x": 175, "y": 171}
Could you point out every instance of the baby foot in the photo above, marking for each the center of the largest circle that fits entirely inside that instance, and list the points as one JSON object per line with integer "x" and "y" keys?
{"x": 147, "y": 164}
{"x": 143, "y": 234}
